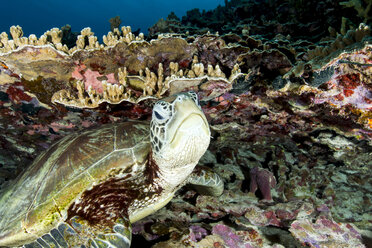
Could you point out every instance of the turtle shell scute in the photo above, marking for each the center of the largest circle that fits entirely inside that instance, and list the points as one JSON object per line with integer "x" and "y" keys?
{"x": 41, "y": 196}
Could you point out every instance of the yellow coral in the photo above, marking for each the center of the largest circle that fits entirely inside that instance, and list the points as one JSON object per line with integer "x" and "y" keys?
{"x": 151, "y": 84}
{"x": 86, "y": 39}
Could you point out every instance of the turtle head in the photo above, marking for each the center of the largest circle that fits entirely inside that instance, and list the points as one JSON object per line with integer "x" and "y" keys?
{"x": 179, "y": 135}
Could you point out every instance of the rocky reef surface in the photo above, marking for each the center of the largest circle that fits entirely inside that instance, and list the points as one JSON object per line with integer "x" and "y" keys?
{"x": 290, "y": 117}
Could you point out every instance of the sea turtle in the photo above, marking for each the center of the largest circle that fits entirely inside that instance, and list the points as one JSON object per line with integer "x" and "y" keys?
{"x": 85, "y": 190}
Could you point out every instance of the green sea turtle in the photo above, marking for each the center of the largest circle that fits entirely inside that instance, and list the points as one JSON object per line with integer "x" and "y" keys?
{"x": 85, "y": 190}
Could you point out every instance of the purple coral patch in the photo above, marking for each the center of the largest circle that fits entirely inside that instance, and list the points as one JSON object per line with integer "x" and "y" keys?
{"x": 325, "y": 233}
{"x": 264, "y": 180}
{"x": 197, "y": 233}
{"x": 231, "y": 239}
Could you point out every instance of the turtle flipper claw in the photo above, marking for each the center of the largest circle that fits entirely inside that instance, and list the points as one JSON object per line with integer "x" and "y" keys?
{"x": 206, "y": 182}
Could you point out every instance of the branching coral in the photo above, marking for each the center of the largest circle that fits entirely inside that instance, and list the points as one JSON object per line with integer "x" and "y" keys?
{"x": 135, "y": 88}
{"x": 86, "y": 39}
{"x": 363, "y": 11}
{"x": 115, "y": 22}
{"x": 342, "y": 41}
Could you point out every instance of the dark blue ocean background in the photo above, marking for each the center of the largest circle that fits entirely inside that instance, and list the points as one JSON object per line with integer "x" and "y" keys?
{"x": 38, "y": 16}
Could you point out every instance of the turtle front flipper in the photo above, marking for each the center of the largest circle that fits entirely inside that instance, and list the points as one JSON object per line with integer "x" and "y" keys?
{"x": 205, "y": 181}
{"x": 78, "y": 233}
{"x": 119, "y": 236}
{"x": 55, "y": 238}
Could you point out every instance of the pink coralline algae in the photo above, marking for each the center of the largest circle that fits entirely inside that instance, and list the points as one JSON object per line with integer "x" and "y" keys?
{"x": 349, "y": 88}
{"x": 325, "y": 233}
{"x": 278, "y": 215}
{"x": 231, "y": 239}
{"x": 259, "y": 217}
{"x": 197, "y": 233}
{"x": 263, "y": 180}
{"x": 92, "y": 78}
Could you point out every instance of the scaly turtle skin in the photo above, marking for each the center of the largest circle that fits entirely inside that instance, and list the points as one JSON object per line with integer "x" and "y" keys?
{"x": 87, "y": 189}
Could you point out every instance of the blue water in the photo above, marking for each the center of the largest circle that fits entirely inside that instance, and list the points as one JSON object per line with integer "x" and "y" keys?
{"x": 37, "y": 16}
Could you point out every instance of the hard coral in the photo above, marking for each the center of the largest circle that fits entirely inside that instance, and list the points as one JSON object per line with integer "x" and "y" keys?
{"x": 115, "y": 22}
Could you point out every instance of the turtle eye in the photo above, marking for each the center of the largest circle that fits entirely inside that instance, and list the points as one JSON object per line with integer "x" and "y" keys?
{"x": 162, "y": 111}
{"x": 158, "y": 116}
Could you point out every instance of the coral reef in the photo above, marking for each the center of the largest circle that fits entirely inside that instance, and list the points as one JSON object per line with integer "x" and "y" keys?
{"x": 289, "y": 111}
{"x": 269, "y": 18}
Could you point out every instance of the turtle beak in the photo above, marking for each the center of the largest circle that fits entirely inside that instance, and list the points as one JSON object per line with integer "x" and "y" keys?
{"x": 189, "y": 122}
